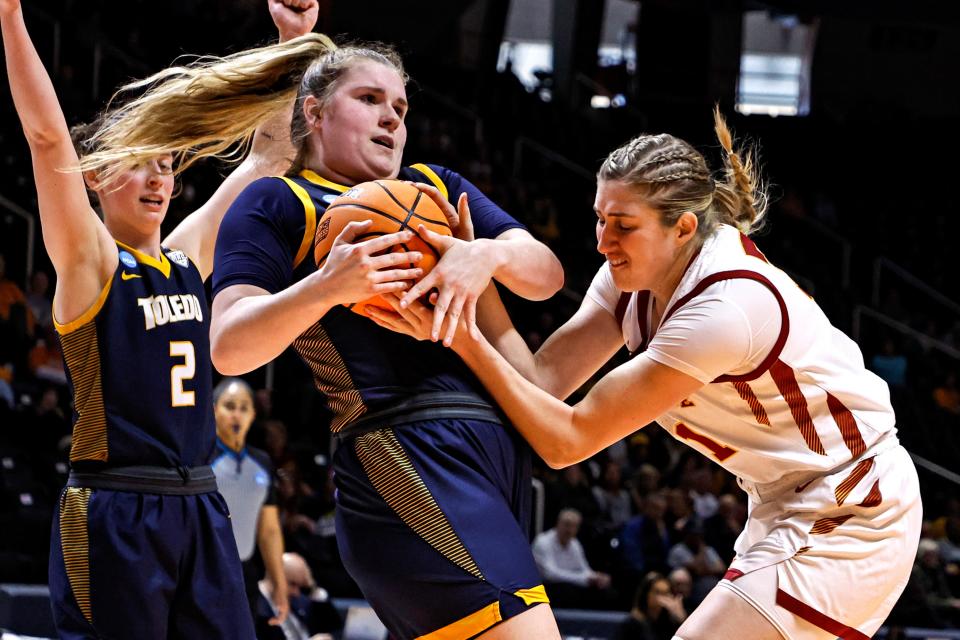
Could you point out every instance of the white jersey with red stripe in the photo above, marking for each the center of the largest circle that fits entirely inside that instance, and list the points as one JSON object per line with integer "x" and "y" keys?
{"x": 788, "y": 406}
{"x": 796, "y": 398}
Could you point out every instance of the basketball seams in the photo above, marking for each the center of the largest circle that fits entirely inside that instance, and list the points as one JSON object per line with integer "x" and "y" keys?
{"x": 382, "y": 205}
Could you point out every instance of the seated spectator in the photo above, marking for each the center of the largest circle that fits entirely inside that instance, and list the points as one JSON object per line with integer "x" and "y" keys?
{"x": 311, "y": 615}
{"x": 571, "y": 490}
{"x": 612, "y": 498}
{"x": 46, "y": 360}
{"x": 702, "y": 561}
{"x": 890, "y": 364}
{"x": 681, "y": 583}
{"x": 947, "y": 395}
{"x": 645, "y": 540}
{"x": 38, "y": 300}
{"x": 568, "y": 578}
{"x": 657, "y": 612}
{"x": 721, "y": 530}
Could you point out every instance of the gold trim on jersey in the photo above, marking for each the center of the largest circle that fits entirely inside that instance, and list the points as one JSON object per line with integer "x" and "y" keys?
{"x": 434, "y": 178}
{"x": 468, "y": 626}
{"x": 161, "y": 264}
{"x": 81, "y": 354}
{"x": 86, "y": 316}
{"x": 310, "y": 217}
{"x": 396, "y": 479}
{"x": 75, "y": 545}
{"x": 323, "y": 182}
{"x": 330, "y": 375}
{"x": 531, "y": 596}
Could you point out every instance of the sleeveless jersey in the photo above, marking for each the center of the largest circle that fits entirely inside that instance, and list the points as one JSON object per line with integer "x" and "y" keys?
{"x": 266, "y": 240}
{"x": 809, "y": 406}
{"x": 139, "y": 367}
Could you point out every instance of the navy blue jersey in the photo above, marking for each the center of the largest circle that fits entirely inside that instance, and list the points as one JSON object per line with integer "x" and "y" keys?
{"x": 139, "y": 367}
{"x": 266, "y": 240}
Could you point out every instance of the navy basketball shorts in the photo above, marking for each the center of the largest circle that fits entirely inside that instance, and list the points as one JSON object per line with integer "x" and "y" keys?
{"x": 432, "y": 524}
{"x": 136, "y": 565}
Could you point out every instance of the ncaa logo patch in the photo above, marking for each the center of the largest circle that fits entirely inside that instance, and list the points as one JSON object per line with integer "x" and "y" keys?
{"x": 329, "y": 198}
{"x": 178, "y": 257}
{"x": 127, "y": 259}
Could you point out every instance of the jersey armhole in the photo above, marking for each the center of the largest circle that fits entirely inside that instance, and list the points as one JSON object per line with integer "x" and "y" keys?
{"x": 88, "y": 315}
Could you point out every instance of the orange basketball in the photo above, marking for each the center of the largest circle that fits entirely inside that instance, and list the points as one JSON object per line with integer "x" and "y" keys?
{"x": 392, "y": 206}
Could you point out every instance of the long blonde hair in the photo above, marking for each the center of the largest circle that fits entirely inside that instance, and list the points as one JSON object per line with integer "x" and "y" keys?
{"x": 673, "y": 177}
{"x": 209, "y": 108}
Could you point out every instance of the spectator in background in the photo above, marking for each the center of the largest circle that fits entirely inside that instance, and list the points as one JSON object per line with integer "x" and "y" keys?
{"x": 572, "y": 490}
{"x": 568, "y": 578}
{"x": 645, "y": 539}
{"x": 612, "y": 499}
{"x": 38, "y": 300}
{"x": 702, "y": 561}
{"x": 947, "y": 395}
{"x": 681, "y": 583}
{"x": 645, "y": 480}
{"x": 246, "y": 480}
{"x": 890, "y": 364}
{"x": 656, "y": 613}
{"x": 720, "y": 531}
{"x": 311, "y": 615}
{"x": 46, "y": 360}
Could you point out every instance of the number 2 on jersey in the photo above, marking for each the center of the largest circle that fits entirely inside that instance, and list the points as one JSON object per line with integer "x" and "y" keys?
{"x": 181, "y": 373}
{"x": 720, "y": 451}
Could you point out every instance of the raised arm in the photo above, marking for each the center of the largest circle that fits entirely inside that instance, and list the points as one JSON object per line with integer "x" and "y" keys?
{"x": 79, "y": 246}
{"x": 270, "y": 152}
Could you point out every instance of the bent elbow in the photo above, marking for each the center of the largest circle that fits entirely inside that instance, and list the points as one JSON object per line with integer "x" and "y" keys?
{"x": 224, "y": 358}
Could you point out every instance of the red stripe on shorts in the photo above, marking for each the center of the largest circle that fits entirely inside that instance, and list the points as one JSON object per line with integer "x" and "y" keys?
{"x": 811, "y": 615}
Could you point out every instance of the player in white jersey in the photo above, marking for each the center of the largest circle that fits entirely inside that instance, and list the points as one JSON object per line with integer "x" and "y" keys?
{"x": 731, "y": 357}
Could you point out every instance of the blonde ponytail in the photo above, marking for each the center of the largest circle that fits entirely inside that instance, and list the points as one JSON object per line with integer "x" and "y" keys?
{"x": 740, "y": 198}
{"x": 209, "y": 108}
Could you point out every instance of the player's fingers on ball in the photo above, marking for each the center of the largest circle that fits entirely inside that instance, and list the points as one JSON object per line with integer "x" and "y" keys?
{"x": 378, "y": 244}
{"x": 419, "y": 289}
{"x": 351, "y": 230}
{"x": 396, "y": 258}
{"x": 390, "y": 275}
{"x": 387, "y": 287}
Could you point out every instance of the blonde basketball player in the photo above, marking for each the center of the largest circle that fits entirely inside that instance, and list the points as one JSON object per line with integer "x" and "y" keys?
{"x": 737, "y": 362}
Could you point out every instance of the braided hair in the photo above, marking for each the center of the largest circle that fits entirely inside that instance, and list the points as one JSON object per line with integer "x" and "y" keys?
{"x": 673, "y": 177}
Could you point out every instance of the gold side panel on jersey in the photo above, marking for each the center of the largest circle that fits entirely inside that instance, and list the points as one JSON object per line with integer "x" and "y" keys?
{"x": 469, "y": 626}
{"x": 330, "y": 375}
{"x": 310, "y": 220}
{"x": 534, "y": 595}
{"x": 395, "y": 478}
{"x": 434, "y": 178}
{"x": 81, "y": 353}
{"x": 75, "y": 545}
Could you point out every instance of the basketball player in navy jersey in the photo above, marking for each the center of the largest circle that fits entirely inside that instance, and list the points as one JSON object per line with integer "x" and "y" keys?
{"x": 142, "y": 545}
{"x": 433, "y": 488}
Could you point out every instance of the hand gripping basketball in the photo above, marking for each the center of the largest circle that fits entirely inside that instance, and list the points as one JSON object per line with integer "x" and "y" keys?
{"x": 371, "y": 231}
